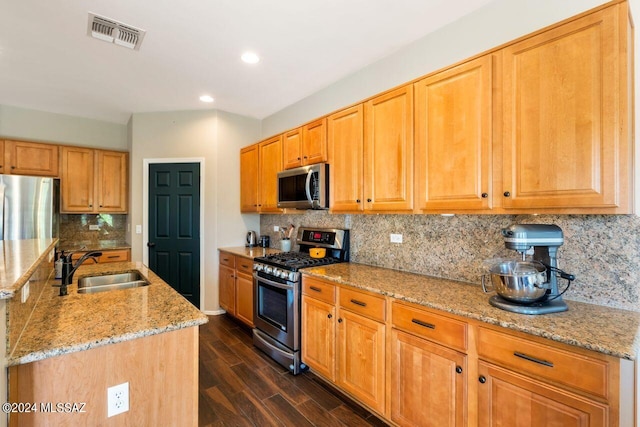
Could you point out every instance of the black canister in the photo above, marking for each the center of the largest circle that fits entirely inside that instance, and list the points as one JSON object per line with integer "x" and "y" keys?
{"x": 265, "y": 241}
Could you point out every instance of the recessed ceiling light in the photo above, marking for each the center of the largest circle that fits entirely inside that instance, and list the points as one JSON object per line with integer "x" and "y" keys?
{"x": 250, "y": 58}
{"x": 206, "y": 98}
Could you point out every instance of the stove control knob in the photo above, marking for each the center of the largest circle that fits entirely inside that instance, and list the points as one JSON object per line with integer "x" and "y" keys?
{"x": 268, "y": 269}
{"x": 258, "y": 267}
{"x": 292, "y": 276}
{"x": 283, "y": 274}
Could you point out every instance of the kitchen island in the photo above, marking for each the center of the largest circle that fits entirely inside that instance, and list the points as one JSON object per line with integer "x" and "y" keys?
{"x": 73, "y": 348}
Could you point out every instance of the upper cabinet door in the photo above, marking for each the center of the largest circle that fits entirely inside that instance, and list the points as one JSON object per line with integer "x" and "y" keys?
{"x": 346, "y": 144}
{"x": 314, "y": 142}
{"x": 388, "y": 151}
{"x": 249, "y": 178}
{"x": 292, "y": 148}
{"x": 270, "y": 164}
{"x": 112, "y": 182}
{"x": 453, "y": 138}
{"x": 77, "y": 180}
{"x": 30, "y": 158}
{"x": 566, "y": 130}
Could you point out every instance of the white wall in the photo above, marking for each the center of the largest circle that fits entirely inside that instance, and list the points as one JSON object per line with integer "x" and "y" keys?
{"x": 34, "y": 125}
{"x": 489, "y": 27}
{"x": 216, "y": 137}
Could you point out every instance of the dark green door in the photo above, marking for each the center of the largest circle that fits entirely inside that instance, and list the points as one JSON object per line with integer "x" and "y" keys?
{"x": 174, "y": 226}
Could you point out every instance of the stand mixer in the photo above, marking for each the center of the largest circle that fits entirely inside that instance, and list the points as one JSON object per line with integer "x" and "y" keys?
{"x": 545, "y": 241}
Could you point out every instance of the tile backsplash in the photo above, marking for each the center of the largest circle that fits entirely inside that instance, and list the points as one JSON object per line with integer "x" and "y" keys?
{"x": 603, "y": 251}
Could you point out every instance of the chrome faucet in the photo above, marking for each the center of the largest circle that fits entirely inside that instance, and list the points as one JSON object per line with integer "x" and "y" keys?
{"x": 68, "y": 268}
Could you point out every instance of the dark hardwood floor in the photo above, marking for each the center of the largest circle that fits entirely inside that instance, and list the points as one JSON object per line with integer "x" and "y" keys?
{"x": 241, "y": 386}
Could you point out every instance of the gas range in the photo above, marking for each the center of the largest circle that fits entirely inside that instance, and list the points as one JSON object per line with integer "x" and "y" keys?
{"x": 278, "y": 289}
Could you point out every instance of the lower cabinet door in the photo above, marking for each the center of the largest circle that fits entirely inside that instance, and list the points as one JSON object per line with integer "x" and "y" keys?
{"x": 319, "y": 336}
{"x": 227, "y": 290}
{"x": 361, "y": 350}
{"x": 428, "y": 383}
{"x": 244, "y": 298}
{"x": 506, "y": 398}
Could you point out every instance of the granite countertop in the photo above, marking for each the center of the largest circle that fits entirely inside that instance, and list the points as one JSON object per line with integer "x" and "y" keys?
{"x": 606, "y": 330}
{"x": 76, "y": 322}
{"x": 20, "y": 258}
{"x": 92, "y": 245}
{"x": 253, "y": 252}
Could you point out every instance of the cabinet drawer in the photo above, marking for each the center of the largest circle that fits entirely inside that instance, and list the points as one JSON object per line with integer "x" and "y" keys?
{"x": 115, "y": 256}
{"x": 319, "y": 290}
{"x": 361, "y": 303}
{"x": 227, "y": 259}
{"x": 434, "y": 327}
{"x": 540, "y": 360}
{"x": 244, "y": 265}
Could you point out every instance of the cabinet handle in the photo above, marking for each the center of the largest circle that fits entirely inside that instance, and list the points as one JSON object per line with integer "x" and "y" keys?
{"x": 305, "y": 157}
{"x": 357, "y": 200}
{"x": 340, "y": 320}
{"x": 245, "y": 266}
{"x": 313, "y": 288}
{"x": 533, "y": 359}
{"x": 507, "y": 194}
{"x": 425, "y": 324}
{"x": 459, "y": 369}
{"x": 113, "y": 256}
{"x": 329, "y": 316}
{"x": 298, "y": 158}
{"x": 482, "y": 379}
{"x": 360, "y": 303}
{"x": 485, "y": 195}
{"x": 13, "y": 167}
{"x": 369, "y": 200}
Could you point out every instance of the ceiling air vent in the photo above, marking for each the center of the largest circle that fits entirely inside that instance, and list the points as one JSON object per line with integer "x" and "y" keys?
{"x": 113, "y": 31}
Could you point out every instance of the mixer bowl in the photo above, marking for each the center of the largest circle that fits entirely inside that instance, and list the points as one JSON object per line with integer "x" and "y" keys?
{"x": 523, "y": 282}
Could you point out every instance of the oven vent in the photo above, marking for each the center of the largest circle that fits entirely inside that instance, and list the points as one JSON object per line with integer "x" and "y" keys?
{"x": 112, "y": 31}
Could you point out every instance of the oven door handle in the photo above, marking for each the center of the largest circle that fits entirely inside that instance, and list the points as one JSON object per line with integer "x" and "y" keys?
{"x": 272, "y": 283}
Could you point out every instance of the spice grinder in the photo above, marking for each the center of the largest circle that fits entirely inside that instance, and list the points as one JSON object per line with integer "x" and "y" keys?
{"x": 529, "y": 286}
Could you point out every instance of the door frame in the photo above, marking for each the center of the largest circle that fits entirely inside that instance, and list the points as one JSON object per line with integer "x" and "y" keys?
{"x": 145, "y": 211}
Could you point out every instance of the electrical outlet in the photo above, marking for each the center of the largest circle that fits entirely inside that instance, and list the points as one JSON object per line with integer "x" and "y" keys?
{"x": 24, "y": 295}
{"x": 276, "y": 228}
{"x": 117, "y": 399}
{"x": 395, "y": 238}
{"x": 94, "y": 227}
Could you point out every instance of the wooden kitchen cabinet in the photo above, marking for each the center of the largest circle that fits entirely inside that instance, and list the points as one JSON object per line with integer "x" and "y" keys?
{"x": 428, "y": 368}
{"x": 109, "y": 255}
{"x": 270, "y": 160}
{"x": 29, "y": 158}
{"x": 566, "y": 116}
{"x": 345, "y": 134}
{"x": 348, "y": 350}
{"x": 557, "y": 386}
{"x": 249, "y": 178}
{"x": 235, "y": 281}
{"x": 453, "y": 138}
{"x": 305, "y": 145}
{"x": 93, "y": 181}
{"x": 388, "y": 152}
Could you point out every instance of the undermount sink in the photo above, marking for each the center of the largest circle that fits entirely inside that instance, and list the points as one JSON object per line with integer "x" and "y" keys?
{"x": 110, "y": 282}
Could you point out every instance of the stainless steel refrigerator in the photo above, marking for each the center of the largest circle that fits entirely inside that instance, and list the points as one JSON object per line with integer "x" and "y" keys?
{"x": 29, "y": 207}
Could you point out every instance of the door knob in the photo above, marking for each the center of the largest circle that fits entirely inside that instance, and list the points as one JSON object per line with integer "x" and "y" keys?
{"x": 150, "y": 244}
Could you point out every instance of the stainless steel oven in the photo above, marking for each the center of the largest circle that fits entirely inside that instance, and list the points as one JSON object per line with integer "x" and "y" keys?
{"x": 278, "y": 289}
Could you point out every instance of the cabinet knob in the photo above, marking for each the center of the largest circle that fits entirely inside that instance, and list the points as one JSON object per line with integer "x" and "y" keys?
{"x": 357, "y": 200}
{"x": 482, "y": 379}
{"x": 298, "y": 158}
{"x": 507, "y": 194}
{"x": 306, "y": 157}
{"x": 329, "y": 316}
{"x": 340, "y": 320}
{"x": 369, "y": 200}
{"x": 13, "y": 167}
{"x": 459, "y": 369}
{"x": 485, "y": 195}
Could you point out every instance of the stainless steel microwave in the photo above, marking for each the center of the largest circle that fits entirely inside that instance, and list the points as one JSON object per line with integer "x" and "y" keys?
{"x": 306, "y": 187}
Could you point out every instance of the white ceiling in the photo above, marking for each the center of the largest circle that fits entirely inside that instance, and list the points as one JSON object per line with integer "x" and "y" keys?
{"x": 193, "y": 47}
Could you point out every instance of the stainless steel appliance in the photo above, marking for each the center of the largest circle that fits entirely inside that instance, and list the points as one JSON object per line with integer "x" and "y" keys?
{"x": 28, "y": 207}
{"x": 529, "y": 286}
{"x": 278, "y": 286}
{"x": 252, "y": 239}
{"x": 306, "y": 187}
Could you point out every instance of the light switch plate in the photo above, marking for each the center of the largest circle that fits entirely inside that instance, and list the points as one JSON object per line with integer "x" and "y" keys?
{"x": 94, "y": 227}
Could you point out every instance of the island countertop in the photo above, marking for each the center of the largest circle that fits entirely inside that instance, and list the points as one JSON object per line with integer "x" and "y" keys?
{"x": 76, "y": 322}
{"x": 606, "y": 330}
{"x": 20, "y": 258}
